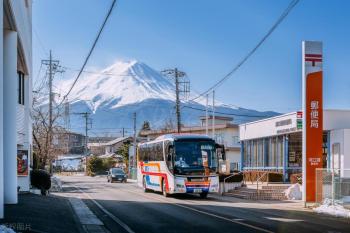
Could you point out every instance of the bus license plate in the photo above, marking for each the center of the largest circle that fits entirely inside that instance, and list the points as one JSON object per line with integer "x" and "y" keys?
{"x": 197, "y": 190}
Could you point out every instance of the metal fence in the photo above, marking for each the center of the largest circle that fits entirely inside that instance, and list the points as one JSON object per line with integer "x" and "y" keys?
{"x": 333, "y": 185}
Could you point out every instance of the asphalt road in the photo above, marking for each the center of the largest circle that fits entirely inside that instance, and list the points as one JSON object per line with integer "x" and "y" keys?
{"x": 126, "y": 208}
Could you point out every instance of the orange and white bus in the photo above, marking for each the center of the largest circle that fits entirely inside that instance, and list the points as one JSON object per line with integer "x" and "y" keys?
{"x": 176, "y": 163}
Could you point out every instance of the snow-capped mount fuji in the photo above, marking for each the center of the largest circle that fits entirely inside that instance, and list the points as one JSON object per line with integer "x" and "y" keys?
{"x": 115, "y": 93}
{"x": 121, "y": 84}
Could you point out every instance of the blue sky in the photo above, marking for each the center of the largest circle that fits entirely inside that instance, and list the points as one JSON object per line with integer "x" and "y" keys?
{"x": 206, "y": 39}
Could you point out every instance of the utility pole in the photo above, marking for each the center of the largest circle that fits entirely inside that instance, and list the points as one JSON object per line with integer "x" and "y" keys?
{"x": 178, "y": 113}
{"x": 213, "y": 117}
{"x": 206, "y": 116}
{"x": 123, "y": 132}
{"x": 53, "y": 68}
{"x": 86, "y": 116}
{"x": 177, "y": 75}
{"x": 134, "y": 156}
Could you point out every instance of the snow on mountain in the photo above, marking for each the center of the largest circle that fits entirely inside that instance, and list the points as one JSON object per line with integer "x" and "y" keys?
{"x": 121, "y": 84}
{"x": 115, "y": 93}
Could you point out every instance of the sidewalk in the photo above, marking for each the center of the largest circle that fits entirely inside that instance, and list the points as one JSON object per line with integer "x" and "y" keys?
{"x": 263, "y": 204}
{"x": 36, "y": 213}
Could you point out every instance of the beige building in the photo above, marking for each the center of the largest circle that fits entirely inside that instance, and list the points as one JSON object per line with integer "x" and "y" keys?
{"x": 225, "y": 132}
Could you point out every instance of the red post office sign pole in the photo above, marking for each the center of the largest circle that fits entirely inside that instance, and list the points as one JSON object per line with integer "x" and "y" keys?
{"x": 312, "y": 117}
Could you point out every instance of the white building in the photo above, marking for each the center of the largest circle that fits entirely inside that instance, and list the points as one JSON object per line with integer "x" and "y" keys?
{"x": 275, "y": 144}
{"x": 15, "y": 98}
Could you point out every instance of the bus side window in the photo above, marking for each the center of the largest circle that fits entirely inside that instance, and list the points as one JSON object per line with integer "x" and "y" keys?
{"x": 160, "y": 151}
{"x": 170, "y": 157}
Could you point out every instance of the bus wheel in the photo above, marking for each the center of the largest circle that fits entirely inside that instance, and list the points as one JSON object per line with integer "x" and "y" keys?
{"x": 203, "y": 194}
{"x": 165, "y": 194}
{"x": 145, "y": 189}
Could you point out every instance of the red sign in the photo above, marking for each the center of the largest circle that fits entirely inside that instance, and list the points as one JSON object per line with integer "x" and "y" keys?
{"x": 22, "y": 163}
{"x": 313, "y": 117}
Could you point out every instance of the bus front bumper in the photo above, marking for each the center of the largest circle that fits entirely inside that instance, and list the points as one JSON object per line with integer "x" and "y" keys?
{"x": 184, "y": 186}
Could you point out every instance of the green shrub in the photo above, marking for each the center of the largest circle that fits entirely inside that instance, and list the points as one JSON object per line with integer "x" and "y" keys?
{"x": 94, "y": 165}
{"x": 108, "y": 163}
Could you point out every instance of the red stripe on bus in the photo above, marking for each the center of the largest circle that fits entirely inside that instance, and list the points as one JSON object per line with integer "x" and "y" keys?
{"x": 158, "y": 174}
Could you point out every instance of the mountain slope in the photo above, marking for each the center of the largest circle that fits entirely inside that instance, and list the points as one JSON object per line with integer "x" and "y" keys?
{"x": 115, "y": 93}
{"x": 121, "y": 84}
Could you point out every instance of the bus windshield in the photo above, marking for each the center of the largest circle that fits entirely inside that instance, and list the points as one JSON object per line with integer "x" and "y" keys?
{"x": 195, "y": 155}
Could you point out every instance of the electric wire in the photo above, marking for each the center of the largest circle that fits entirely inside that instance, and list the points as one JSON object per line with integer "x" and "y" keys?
{"x": 285, "y": 13}
{"x": 229, "y": 114}
{"x": 91, "y": 50}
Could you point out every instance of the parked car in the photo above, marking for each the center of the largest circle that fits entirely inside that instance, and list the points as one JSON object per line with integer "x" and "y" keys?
{"x": 116, "y": 174}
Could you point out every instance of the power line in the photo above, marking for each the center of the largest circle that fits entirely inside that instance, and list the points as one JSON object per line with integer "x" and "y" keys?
{"x": 285, "y": 13}
{"x": 229, "y": 114}
{"x": 91, "y": 50}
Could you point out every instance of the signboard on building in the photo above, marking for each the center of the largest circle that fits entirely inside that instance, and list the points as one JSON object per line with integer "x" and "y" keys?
{"x": 22, "y": 163}
{"x": 312, "y": 117}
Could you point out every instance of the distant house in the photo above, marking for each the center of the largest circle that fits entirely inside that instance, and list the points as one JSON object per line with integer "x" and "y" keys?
{"x": 70, "y": 149}
{"x": 108, "y": 148}
{"x": 113, "y": 146}
{"x": 226, "y": 133}
{"x": 96, "y": 144}
{"x": 69, "y": 143}
{"x": 96, "y": 148}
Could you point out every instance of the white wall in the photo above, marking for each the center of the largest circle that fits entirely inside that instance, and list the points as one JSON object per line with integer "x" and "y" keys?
{"x": 226, "y": 136}
{"x": 21, "y": 21}
{"x": 234, "y": 156}
{"x": 267, "y": 127}
{"x": 1, "y": 114}
{"x": 336, "y": 119}
{"x": 22, "y": 12}
{"x": 332, "y": 119}
{"x": 342, "y": 136}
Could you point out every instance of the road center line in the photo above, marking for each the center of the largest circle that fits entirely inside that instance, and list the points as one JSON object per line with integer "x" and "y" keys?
{"x": 203, "y": 212}
{"x": 113, "y": 217}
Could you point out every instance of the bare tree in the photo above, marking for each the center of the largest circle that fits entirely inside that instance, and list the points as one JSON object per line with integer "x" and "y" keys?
{"x": 44, "y": 151}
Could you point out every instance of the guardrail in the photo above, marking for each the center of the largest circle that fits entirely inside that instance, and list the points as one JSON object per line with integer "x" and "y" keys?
{"x": 225, "y": 182}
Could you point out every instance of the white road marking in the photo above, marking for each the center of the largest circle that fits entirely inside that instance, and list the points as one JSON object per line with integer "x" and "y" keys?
{"x": 284, "y": 219}
{"x": 114, "y": 218}
{"x": 203, "y": 212}
{"x": 238, "y": 219}
{"x": 83, "y": 212}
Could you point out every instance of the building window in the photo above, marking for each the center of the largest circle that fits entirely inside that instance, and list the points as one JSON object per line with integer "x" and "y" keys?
{"x": 21, "y": 87}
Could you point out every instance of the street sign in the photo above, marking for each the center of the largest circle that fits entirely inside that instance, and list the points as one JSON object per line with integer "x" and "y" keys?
{"x": 312, "y": 117}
